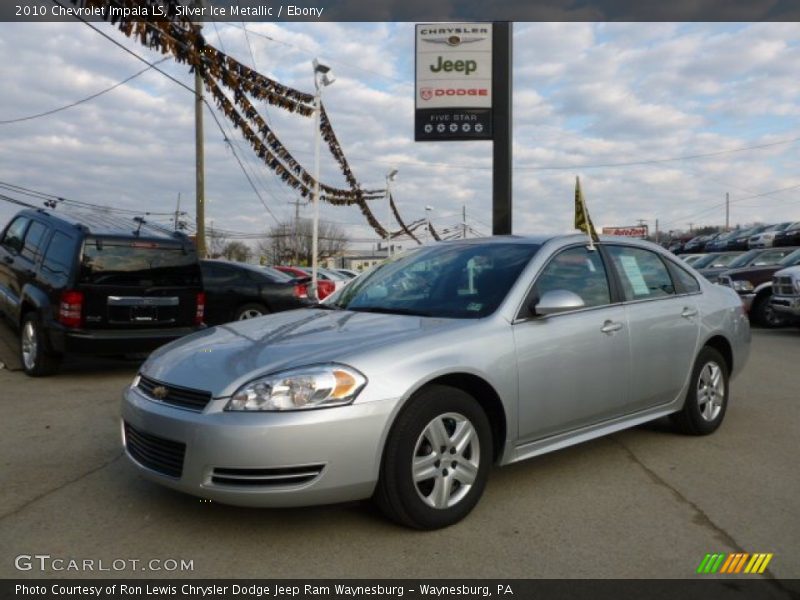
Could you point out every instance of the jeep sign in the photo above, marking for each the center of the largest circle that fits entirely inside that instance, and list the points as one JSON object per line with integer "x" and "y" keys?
{"x": 453, "y": 94}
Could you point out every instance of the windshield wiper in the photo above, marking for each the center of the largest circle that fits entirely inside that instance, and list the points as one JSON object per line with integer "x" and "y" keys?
{"x": 390, "y": 311}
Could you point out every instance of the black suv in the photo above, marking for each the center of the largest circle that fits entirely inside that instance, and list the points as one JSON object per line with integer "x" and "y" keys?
{"x": 89, "y": 284}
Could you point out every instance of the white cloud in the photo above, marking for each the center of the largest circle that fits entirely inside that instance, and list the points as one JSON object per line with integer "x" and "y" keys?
{"x": 584, "y": 94}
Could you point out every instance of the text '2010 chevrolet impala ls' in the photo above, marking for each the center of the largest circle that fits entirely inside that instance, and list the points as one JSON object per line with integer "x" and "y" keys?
{"x": 408, "y": 384}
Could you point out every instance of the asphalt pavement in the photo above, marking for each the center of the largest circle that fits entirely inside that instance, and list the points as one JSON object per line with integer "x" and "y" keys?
{"x": 644, "y": 503}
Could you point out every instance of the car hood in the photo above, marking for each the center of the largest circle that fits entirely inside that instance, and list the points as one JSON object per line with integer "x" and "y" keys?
{"x": 222, "y": 358}
{"x": 752, "y": 273}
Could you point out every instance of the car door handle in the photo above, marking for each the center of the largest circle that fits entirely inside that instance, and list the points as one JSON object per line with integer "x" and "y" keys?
{"x": 610, "y": 327}
{"x": 688, "y": 313}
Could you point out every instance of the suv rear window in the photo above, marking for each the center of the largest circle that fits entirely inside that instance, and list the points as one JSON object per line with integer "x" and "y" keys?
{"x": 138, "y": 263}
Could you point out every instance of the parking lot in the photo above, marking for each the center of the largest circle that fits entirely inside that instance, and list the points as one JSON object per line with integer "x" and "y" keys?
{"x": 645, "y": 503}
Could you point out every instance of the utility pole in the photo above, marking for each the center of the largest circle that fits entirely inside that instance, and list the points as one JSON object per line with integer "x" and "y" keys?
{"x": 200, "y": 185}
{"x": 727, "y": 211}
{"x": 177, "y": 211}
{"x": 297, "y": 204}
{"x": 657, "y": 234}
{"x": 502, "y": 41}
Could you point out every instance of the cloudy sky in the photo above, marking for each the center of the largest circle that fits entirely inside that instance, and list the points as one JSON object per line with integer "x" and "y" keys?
{"x": 622, "y": 105}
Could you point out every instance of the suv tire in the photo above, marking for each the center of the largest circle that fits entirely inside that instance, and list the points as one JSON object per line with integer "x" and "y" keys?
{"x": 36, "y": 358}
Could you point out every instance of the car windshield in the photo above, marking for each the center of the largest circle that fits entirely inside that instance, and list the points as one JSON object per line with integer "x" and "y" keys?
{"x": 713, "y": 260}
{"x": 790, "y": 260}
{"x": 457, "y": 280}
{"x": 277, "y": 275}
{"x": 744, "y": 259}
{"x": 138, "y": 263}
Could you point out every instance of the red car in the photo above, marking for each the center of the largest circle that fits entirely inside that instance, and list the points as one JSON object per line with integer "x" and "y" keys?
{"x": 324, "y": 288}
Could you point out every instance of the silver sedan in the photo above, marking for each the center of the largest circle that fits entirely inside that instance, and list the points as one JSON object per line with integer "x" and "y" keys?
{"x": 408, "y": 384}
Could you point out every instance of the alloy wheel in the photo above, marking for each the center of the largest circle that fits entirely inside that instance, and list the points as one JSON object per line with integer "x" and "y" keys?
{"x": 710, "y": 391}
{"x": 446, "y": 460}
{"x": 30, "y": 346}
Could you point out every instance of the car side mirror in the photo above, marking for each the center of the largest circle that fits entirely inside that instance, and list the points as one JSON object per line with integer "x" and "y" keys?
{"x": 558, "y": 301}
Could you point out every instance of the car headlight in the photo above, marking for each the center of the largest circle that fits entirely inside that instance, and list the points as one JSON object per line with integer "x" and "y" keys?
{"x": 136, "y": 380}
{"x": 797, "y": 285}
{"x": 318, "y": 386}
{"x": 742, "y": 286}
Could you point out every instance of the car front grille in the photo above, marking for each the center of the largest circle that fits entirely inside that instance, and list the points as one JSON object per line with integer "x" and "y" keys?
{"x": 266, "y": 477}
{"x": 156, "y": 453}
{"x": 782, "y": 286}
{"x": 173, "y": 395}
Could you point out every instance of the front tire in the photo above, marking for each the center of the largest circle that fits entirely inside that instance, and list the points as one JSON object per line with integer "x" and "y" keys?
{"x": 36, "y": 359}
{"x": 707, "y": 398}
{"x": 436, "y": 460}
{"x": 764, "y": 315}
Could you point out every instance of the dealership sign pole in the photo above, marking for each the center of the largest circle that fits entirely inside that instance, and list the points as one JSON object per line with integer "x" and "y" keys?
{"x": 463, "y": 92}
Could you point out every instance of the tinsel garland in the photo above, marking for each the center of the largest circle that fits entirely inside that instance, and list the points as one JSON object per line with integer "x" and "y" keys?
{"x": 403, "y": 227}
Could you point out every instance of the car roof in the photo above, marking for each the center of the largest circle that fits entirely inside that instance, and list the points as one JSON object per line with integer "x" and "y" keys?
{"x": 99, "y": 224}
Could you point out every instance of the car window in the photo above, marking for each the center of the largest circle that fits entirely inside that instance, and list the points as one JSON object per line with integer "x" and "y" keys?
{"x": 790, "y": 260}
{"x": 643, "y": 274}
{"x": 771, "y": 257}
{"x": 34, "y": 240}
{"x": 686, "y": 280}
{"x": 453, "y": 280}
{"x": 576, "y": 270}
{"x": 217, "y": 275}
{"x": 15, "y": 234}
{"x": 59, "y": 256}
{"x": 138, "y": 263}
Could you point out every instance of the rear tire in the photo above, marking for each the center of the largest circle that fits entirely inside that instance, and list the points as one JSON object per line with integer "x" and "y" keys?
{"x": 250, "y": 311}
{"x": 436, "y": 460}
{"x": 707, "y": 398}
{"x": 37, "y": 359}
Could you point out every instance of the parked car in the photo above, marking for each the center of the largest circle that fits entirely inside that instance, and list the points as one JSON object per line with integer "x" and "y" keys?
{"x": 766, "y": 238}
{"x": 324, "y": 287}
{"x": 349, "y": 273}
{"x": 676, "y": 245}
{"x": 690, "y": 258}
{"x": 789, "y": 236}
{"x": 719, "y": 243}
{"x": 698, "y": 243}
{"x": 754, "y": 286}
{"x": 741, "y": 240}
{"x": 86, "y": 285}
{"x": 752, "y": 258}
{"x": 715, "y": 260}
{"x": 236, "y": 291}
{"x": 411, "y": 381}
{"x": 786, "y": 293}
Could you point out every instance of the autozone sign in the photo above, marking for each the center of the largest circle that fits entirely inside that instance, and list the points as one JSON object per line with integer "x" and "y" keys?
{"x": 639, "y": 231}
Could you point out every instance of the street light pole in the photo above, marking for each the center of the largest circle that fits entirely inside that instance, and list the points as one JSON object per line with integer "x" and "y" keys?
{"x": 428, "y": 210}
{"x": 390, "y": 176}
{"x": 321, "y": 79}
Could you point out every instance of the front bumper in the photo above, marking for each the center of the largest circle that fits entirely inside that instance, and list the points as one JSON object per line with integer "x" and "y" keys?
{"x": 786, "y": 305}
{"x": 344, "y": 445}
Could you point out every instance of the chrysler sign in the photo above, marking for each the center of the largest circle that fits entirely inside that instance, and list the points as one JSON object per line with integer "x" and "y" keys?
{"x": 453, "y": 94}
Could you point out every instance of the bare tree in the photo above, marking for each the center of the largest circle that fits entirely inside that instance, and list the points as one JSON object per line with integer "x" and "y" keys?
{"x": 290, "y": 243}
{"x": 215, "y": 243}
{"x": 238, "y": 251}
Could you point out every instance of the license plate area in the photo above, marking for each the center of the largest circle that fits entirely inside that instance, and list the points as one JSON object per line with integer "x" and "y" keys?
{"x": 145, "y": 310}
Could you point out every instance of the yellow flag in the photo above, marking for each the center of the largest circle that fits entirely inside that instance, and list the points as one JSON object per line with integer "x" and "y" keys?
{"x": 582, "y": 220}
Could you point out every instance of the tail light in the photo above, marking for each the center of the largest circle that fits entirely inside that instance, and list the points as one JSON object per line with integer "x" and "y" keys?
{"x": 70, "y": 309}
{"x": 301, "y": 291}
{"x": 201, "y": 308}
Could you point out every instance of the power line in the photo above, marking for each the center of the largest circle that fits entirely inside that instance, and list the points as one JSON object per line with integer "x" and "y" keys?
{"x": 82, "y": 100}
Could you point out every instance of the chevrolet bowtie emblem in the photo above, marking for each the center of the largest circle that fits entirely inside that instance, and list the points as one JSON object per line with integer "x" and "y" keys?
{"x": 160, "y": 392}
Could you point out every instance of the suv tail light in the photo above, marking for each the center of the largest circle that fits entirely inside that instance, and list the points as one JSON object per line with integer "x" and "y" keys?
{"x": 301, "y": 290}
{"x": 201, "y": 308}
{"x": 70, "y": 309}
